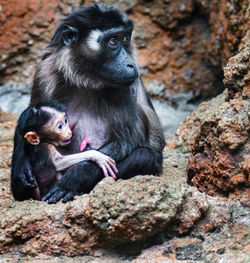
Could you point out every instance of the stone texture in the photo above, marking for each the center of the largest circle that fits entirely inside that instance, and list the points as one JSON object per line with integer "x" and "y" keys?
{"x": 237, "y": 73}
{"x": 135, "y": 209}
{"x": 26, "y": 28}
{"x": 183, "y": 44}
{"x": 146, "y": 218}
{"x": 189, "y": 129}
{"x": 222, "y": 235}
{"x": 220, "y": 152}
{"x": 120, "y": 218}
{"x": 14, "y": 98}
{"x": 113, "y": 214}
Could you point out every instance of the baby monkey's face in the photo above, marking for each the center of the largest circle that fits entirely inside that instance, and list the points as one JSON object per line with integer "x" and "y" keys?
{"x": 63, "y": 130}
{"x": 58, "y": 129}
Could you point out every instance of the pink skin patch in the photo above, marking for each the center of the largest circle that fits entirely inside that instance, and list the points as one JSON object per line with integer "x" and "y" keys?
{"x": 85, "y": 142}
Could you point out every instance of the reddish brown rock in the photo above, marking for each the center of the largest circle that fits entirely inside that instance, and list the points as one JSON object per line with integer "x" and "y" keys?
{"x": 237, "y": 73}
{"x": 114, "y": 213}
{"x": 183, "y": 44}
{"x": 26, "y": 27}
{"x": 219, "y": 163}
{"x": 6, "y": 116}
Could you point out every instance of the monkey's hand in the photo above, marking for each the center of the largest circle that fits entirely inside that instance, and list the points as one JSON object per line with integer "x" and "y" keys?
{"x": 60, "y": 191}
{"x": 26, "y": 178}
{"x": 57, "y": 194}
{"x": 106, "y": 163}
{"x": 22, "y": 181}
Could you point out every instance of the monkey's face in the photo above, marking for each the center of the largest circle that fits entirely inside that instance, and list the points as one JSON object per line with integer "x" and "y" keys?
{"x": 63, "y": 131}
{"x": 57, "y": 129}
{"x": 112, "y": 48}
{"x": 95, "y": 48}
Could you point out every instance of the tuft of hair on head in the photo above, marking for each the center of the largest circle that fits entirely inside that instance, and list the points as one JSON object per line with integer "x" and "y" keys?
{"x": 51, "y": 104}
{"x": 88, "y": 18}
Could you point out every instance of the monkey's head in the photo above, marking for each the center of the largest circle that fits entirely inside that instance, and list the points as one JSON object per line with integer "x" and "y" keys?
{"x": 46, "y": 122}
{"x": 93, "y": 48}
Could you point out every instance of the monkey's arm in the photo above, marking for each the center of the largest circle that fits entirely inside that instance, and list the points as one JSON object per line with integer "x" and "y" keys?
{"x": 141, "y": 161}
{"x": 62, "y": 162}
{"x": 23, "y": 183}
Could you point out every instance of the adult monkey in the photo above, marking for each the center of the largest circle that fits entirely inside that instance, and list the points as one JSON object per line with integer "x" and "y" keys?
{"x": 89, "y": 66}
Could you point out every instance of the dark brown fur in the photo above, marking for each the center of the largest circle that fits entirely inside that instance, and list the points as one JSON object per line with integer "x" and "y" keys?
{"x": 117, "y": 115}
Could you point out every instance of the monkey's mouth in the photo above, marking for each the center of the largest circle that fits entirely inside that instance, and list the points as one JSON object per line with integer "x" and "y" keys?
{"x": 66, "y": 142}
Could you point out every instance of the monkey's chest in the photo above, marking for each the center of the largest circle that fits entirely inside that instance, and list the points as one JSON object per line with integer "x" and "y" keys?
{"x": 92, "y": 129}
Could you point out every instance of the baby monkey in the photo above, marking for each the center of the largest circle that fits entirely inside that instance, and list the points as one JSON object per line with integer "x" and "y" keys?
{"x": 40, "y": 130}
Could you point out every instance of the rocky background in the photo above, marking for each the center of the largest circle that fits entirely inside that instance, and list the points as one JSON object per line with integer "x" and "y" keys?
{"x": 198, "y": 209}
{"x": 182, "y": 45}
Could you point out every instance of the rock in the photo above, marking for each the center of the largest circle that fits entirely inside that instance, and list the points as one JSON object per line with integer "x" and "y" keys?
{"x": 237, "y": 74}
{"x": 113, "y": 214}
{"x": 134, "y": 210}
{"x": 188, "y": 131}
{"x": 220, "y": 153}
{"x": 220, "y": 236}
{"x": 147, "y": 218}
{"x": 170, "y": 116}
{"x": 14, "y": 98}
{"x": 182, "y": 44}
{"x": 6, "y": 116}
{"x": 106, "y": 214}
{"x": 120, "y": 218}
{"x": 25, "y": 31}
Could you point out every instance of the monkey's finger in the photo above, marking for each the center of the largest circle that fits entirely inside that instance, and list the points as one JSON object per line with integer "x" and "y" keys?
{"x": 26, "y": 184}
{"x": 68, "y": 197}
{"x": 113, "y": 166}
{"x": 104, "y": 170}
{"x": 112, "y": 161}
{"x": 111, "y": 172}
{"x": 57, "y": 197}
{"x": 29, "y": 175}
{"x": 50, "y": 193}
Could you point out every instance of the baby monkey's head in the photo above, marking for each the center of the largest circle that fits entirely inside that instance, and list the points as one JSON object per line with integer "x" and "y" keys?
{"x": 47, "y": 121}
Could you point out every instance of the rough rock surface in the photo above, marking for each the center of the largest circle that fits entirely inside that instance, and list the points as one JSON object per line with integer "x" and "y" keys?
{"x": 117, "y": 220}
{"x": 182, "y": 44}
{"x": 237, "y": 73}
{"x": 146, "y": 219}
{"x": 114, "y": 213}
{"x": 221, "y": 148}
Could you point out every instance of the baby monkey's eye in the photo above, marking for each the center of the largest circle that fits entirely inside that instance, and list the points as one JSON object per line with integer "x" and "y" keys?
{"x": 66, "y": 120}
{"x": 60, "y": 126}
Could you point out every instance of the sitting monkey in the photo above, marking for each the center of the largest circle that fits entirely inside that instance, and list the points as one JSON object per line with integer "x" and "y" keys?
{"x": 40, "y": 130}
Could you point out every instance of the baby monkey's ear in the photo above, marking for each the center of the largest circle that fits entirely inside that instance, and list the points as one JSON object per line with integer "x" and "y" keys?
{"x": 32, "y": 138}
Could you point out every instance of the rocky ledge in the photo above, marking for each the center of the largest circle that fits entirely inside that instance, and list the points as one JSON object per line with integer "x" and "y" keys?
{"x": 144, "y": 219}
{"x": 147, "y": 218}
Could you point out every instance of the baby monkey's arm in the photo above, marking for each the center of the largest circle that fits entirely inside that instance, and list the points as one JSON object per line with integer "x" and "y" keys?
{"x": 62, "y": 162}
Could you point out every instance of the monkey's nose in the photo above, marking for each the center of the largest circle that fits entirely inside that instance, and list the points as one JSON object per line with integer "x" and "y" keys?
{"x": 131, "y": 72}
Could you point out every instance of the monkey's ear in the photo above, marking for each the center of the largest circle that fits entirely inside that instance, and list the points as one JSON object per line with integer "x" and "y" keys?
{"x": 32, "y": 138}
{"x": 69, "y": 35}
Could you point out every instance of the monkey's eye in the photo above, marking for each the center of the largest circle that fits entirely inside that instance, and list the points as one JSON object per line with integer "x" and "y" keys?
{"x": 60, "y": 126}
{"x": 69, "y": 35}
{"x": 113, "y": 42}
{"x": 66, "y": 120}
{"x": 126, "y": 39}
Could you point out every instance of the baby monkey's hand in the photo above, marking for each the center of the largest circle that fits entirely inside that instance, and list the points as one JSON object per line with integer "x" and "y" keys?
{"x": 106, "y": 163}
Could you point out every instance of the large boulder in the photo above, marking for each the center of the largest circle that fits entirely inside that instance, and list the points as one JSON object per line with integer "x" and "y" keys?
{"x": 220, "y": 161}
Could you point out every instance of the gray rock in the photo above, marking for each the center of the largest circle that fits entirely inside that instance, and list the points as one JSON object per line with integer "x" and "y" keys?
{"x": 132, "y": 210}
{"x": 171, "y": 117}
{"x": 14, "y": 98}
